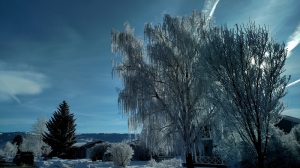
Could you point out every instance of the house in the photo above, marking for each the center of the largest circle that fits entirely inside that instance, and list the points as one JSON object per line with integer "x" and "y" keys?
{"x": 287, "y": 123}
{"x": 79, "y": 150}
{"x": 203, "y": 155}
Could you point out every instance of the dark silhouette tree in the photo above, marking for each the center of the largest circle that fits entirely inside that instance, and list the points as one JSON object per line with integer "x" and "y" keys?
{"x": 18, "y": 140}
{"x": 61, "y": 127}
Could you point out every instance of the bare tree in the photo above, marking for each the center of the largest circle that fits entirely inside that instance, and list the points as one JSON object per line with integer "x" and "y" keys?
{"x": 161, "y": 80}
{"x": 247, "y": 68}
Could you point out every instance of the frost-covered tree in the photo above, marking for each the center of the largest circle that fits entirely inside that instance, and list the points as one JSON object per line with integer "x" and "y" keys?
{"x": 162, "y": 83}
{"x": 247, "y": 66}
{"x": 61, "y": 130}
{"x": 33, "y": 144}
{"x": 33, "y": 141}
{"x": 39, "y": 128}
{"x": 283, "y": 149}
{"x": 29, "y": 144}
{"x": 159, "y": 138}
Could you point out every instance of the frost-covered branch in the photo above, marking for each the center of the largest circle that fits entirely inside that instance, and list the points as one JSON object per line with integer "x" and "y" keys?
{"x": 162, "y": 82}
{"x": 247, "y": 66}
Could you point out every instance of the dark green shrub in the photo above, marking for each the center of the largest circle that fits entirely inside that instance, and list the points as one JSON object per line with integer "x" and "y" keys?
{"x": 97, "y": 152}
{"x": 24, "y": 158}
{"x": 283, "y": 150}
{"x": 141, "y": 153}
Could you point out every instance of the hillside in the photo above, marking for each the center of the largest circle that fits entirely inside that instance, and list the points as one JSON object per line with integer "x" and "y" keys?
{"x": 85, "y": 137}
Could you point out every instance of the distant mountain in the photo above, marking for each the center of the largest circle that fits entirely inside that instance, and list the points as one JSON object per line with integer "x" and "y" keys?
{"x": 111, "y": 137}
{"x": 85, "y": 137}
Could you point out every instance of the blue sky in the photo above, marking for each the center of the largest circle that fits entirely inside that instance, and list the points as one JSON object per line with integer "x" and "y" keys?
{"x": 55, "y": 50}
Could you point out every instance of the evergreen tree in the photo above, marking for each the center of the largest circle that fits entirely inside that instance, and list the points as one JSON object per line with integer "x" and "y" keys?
{"x": 61, "y": 127}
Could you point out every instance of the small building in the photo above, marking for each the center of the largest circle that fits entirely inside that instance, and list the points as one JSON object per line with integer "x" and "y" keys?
{"x": 79, "y": 150}
{"x": 287, "y": 123}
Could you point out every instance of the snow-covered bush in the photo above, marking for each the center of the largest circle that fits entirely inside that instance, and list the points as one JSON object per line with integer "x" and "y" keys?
{"x": 248, "y": 156}
{"x": 152, "y": 163}
{"x": 10, "y": 149}
{"x": 141, "y": 153}
{"x": 228, "y": 149}
{"x": 283, "y": 149}
{"x": 2, "y": 153}
{"x": 171, "y": 162}
{"x": 165, "y": 163}
{"x": 121, "y": 154}
{"x": 97, "y": 151}
{"x": 33, "y": 144}
{"x": 295, "y": 133}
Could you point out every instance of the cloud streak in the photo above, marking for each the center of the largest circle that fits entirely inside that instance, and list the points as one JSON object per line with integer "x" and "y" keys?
{"x": 293, "y": 41}
{"x": 293, "y": 83}
{"x": 210, "y": 7}
{"x": 213, "y": 8}
{"x": 20, "y": 82}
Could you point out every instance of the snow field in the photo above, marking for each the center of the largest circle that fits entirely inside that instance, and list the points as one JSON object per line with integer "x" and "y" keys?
{"x": 87, "y": 163}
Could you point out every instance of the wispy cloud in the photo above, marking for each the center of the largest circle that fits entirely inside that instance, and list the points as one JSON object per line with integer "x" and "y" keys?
{"x": 210, "y": 7}
{"x": 20, "y": 82}
{"x": 12, "y": 121}
{"x": 293, "y": 41}
{"x": 293, "y": 83}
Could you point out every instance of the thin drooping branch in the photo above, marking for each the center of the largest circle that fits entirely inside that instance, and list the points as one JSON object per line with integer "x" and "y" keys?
{"x": 163, "y": 84}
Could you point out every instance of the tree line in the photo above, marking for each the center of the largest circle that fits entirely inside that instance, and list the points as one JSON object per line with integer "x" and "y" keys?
{"x": 51, "y": 138}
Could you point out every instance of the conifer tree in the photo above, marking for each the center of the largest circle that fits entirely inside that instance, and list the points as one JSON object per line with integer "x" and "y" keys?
{"x": 61, "y": 127}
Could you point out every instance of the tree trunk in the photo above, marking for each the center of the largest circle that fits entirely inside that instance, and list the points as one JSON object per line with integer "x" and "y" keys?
{"x": 260, "y": 156}
{"x": 260, "y": 159}
{"x": 189, "y": 160}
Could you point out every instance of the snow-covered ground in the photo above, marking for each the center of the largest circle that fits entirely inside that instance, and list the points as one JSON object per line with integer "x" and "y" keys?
{"x": 87, "y": 163}
{"x": 79, "y": 163}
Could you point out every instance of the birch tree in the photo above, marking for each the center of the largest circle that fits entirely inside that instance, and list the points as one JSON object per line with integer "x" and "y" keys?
{"x": 39, "y": 127}
{"x": 34, "y": 141}
{"x": 247, "y": 68}
{"x": 158, "y": 136}
{"x": 160, "y": 78}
